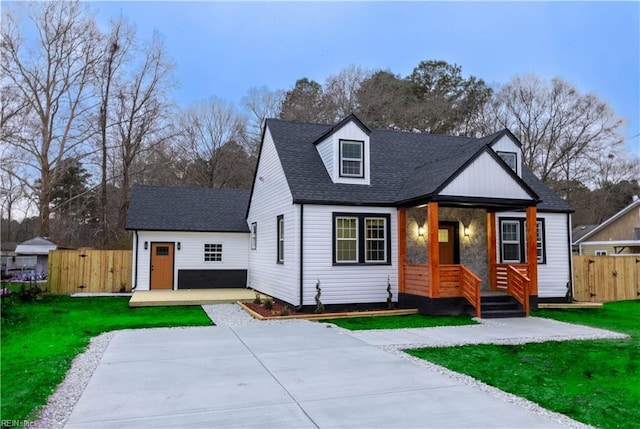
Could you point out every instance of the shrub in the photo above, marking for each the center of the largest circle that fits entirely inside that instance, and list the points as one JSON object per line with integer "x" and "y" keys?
{"x": 257, "y": 299}
{"x": 268, "y": 303}
{"x": 284, "y": 311}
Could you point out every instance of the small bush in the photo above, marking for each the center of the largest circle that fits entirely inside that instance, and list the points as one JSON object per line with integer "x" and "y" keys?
{"x": 284, "y": 311}
{"x": 30, "y": 292}
{"x": 268, "y": 303}
{"x": 257, "y": 299}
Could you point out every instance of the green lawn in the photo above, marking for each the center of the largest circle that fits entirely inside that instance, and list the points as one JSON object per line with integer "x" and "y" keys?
{"x": 595, "y": 382}
{"x": 398, "y": 322}
{"x": 41, "y": 338}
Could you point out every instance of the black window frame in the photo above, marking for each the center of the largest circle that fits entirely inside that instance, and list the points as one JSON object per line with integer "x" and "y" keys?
{"x": 542, "y": 259}
{"x": 361, "y": 234}
{"x": 515, "y": 159}
{"x": 254, "y": 235}
{"x": 354, "y": 176}
{"x": 280, "y": 239}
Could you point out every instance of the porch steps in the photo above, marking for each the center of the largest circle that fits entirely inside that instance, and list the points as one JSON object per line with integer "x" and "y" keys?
{"x": 500, "y": 306}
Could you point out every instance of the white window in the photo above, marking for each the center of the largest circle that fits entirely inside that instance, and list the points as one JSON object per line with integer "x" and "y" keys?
{"x": 601, "y": 253}
{"x": 375, "y": 240}
{"x": 254, "y": 236}
{"x": 351, "y": 158}
{"x": 511, "y": 241}
{"x": 540, "y": 242}
{"x": 346, "y": 239}
{"x": 280, "y": 259}
{"x": 511, "y": 159}
{"x": 213, "y": 252}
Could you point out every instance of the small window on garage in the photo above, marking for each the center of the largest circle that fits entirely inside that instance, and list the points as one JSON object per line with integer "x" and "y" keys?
{"x": 213, "y": 252}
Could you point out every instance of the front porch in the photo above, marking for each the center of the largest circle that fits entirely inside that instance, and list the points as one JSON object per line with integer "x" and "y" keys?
{"x": 435, "y": 285}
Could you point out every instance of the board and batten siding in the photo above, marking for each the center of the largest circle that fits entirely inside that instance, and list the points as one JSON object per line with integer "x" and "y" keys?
{"x": 235, "y": 248}
{"x": 485, "y": 178}
{"x": 272, "y": 198}
{"x": 350, "y": 283}
{"x": 505, "y": 144}
{"x": 554, "y": 275}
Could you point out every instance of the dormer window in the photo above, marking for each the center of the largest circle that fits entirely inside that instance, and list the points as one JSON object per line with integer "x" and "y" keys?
{"x": 351, "y": 158}
{"x": 511, "y": 159}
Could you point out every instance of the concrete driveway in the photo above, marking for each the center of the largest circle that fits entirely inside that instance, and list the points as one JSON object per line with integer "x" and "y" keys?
{"x": 295, "y": 375}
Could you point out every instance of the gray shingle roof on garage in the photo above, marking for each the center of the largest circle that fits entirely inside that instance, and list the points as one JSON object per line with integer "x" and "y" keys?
{"x": 163, "y": 208}
{"x": 404, "y": 166}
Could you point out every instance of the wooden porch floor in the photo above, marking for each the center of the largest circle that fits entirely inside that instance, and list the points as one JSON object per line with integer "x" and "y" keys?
{"x": 156, "y": 298}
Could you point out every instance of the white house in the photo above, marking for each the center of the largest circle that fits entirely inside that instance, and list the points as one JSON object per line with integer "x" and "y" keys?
{"x": 188, "y": 238}
{"x": 437, "y": 221}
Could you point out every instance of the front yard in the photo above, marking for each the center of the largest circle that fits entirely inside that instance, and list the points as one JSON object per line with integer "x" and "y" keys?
{"x": 595, "y": 382}
{"x": 41, "y": 338}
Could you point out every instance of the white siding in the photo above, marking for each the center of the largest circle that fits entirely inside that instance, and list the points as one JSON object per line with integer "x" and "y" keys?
{"x": 485, "y": 178}
{"x": 344, "y": 284}
{"x": 235, "y": 247}
{"x": 271, "y": 198}
{"x": 505, "y": 144}
{"x": 326, "y": 151}
{"x": 556, "y": 273}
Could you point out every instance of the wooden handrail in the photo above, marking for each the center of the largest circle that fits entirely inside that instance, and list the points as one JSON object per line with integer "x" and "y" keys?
{"x": 470, "y": 288}
{"x": 518, "y": 286}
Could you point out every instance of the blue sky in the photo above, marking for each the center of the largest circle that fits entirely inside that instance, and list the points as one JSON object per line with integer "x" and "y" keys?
{"x": 222, "y": 49}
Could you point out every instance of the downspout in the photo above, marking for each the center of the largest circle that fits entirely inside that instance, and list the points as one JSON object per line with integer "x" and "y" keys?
{"x": 135, "y": 265}
{"x": 570, "y": 283}
{"x": 301, "y": 255}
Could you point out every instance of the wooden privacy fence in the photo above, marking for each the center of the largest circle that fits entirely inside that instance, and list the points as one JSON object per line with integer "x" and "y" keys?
{"x": 606, "y": 278}
{"x": 85, "y": 270}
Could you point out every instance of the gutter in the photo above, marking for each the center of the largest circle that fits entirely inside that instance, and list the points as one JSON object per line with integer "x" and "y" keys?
{"x": 301, "y": 255}
{"x": 135, "y": 265}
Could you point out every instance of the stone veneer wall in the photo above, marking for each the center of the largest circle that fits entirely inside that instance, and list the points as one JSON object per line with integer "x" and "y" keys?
{"x": 473, "y": 250}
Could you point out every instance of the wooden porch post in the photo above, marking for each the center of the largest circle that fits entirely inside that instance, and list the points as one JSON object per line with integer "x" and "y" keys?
{"x": 491, "y": 249}
{"x": 532, "y": 253}
{"x": 434, "y": 248}
{"x": 402, "y": 247}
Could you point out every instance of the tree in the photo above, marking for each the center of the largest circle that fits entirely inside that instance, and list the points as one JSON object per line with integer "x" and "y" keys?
{"x": 212, "y": 140}
{"x": 564, "y": 133}
{"x": 305, "y": 103}
{"x": 113, "y": 51}
{"x": 51, "y": 77}
{"x": 340, "y": 92}
{"x": 446, "y": 100}
{"x": 261, "y": 104}
{"x": 385, "y": 101}
{"x": 140, "y": 116}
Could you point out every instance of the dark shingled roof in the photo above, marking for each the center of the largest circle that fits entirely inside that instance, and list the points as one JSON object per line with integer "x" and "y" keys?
{"x": 163, "y": 208}
{"x": 404, "y": 166}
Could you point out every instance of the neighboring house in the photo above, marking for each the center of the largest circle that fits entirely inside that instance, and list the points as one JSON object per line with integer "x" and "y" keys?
{"x": 618, "y": 235}
{"x": 32, "y": 255}
{"x": 188, "y": 238}
{"x": 357, "y": 209}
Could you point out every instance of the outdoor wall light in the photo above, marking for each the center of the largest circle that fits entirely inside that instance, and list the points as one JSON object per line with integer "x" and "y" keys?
{"x": 421, "y": 231}
{"x": 146, "y": 245}
{"x": 178, "y": 245}
{"x": 467, "y": 232}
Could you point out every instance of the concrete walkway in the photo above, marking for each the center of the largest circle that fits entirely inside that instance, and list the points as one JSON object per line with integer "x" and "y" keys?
{"x": 490, "y": 331}
{"x": 293, "y": 375}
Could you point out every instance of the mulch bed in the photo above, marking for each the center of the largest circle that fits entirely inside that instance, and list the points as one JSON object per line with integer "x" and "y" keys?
{"x": 277, "y": 309}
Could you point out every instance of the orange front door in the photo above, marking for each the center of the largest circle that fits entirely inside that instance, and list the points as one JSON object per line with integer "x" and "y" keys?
{"x": 446, "y": 243}
{"x": 161, "y": 265}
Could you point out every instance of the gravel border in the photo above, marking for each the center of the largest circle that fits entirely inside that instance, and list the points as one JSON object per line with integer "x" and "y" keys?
{"x": 61, "y": 403}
